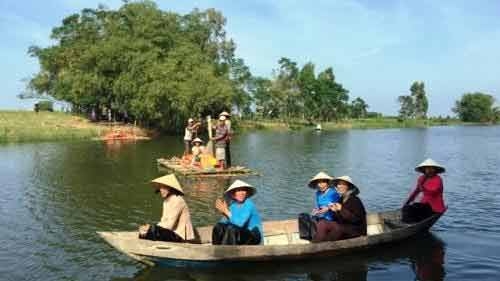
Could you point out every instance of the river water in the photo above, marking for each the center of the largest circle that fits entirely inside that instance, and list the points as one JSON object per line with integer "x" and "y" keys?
{"x": 55, "y": 196}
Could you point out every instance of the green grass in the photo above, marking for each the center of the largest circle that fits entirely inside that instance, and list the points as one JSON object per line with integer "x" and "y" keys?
{"x": 366, "y": 123}
{"x": 28, "y": 126}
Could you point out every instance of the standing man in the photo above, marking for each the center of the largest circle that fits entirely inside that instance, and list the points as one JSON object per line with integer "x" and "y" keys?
{"x": 188, "y": 135}
{"x": 221, "y": 134}
{"x": 228, "y": 139}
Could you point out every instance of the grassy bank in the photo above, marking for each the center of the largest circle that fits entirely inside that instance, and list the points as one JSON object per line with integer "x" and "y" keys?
{"x": 368, "y": 123}
{"x": 28, "y": 126}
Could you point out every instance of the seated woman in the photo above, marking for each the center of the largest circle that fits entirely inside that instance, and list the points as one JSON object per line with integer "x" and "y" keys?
{"x": 310, "y": 224}
{"x": 175, "y": 224}
{"x": 197, "y": 151}
{"x": 241, "y": 224}
{"x": 430, "y": 185}
{"x": 350, "y": 214}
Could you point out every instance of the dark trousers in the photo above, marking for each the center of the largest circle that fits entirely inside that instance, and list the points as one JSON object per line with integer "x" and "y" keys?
{"x": 230, "y": 234}
{"x": 416, "y": 212}
{"x": 187, "y": 147}
{"x": 228, "y": 154}
{"x": 328, "y": 231}
{"x": 158, "y": 233}
{"x": 307, "y": 226}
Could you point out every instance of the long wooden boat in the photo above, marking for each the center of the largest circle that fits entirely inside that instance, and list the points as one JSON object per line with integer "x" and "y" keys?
{"x": 175, "y": 165}
{"x": 281, "y": 242}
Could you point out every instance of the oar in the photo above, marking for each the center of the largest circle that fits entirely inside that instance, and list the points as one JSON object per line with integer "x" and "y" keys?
{"x": 210, "y": 144}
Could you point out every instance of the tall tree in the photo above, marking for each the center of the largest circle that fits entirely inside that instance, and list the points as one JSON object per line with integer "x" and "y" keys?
{"x": 308, "y": 86}
{"x": 407, "y": 107}
{"x": 420, "y": 102}
{"x": 286, "y": 86}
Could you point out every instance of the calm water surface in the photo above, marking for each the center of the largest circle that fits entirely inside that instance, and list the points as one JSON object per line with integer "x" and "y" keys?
{"x": 55, "y": 196}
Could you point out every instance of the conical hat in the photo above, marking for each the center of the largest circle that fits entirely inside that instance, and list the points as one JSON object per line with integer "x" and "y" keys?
{"x": 225, "y": 113}
{"x": 239, "y": 183}
{"x": 430, "y": 163}
{"x": 344, "y": 178}
{"x": 197, "y": 140}
{"x": 319, "y": 176}
{"x": 170, "y": 181}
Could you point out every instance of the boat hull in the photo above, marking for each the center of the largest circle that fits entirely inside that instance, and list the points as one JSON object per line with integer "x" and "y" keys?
{"x": 288, "y": 248}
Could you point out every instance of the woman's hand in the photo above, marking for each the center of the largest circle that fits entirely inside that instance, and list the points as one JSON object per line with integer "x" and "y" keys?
{"x": 336, "y": 207}
{"x": 320, "y": 211}
{"x": 222, "y": 207}
{"x": 143, "y": 230}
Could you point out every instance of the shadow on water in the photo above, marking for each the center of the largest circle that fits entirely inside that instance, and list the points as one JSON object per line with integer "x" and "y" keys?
{"x": 423, "y": 257}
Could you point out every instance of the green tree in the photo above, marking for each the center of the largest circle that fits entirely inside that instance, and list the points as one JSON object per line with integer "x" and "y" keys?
{"x": 331, "y": 97}
{"x": 420, "y": 102}
{"x": 266, "y": 104}
{"x": 159, "y": 67}
{"x": 286, "y": 88}
{"x": 476, "y": 107}
{"x": 308, "y": 85}
{"x": 359, "y": 108}
{"x": 407, "y": 108}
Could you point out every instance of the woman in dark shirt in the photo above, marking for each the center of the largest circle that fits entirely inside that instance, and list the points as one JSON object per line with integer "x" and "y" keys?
{"x": 350, "y": 213}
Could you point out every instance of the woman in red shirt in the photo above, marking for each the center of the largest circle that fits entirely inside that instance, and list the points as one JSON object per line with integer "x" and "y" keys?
{"x": 430, "y": 185}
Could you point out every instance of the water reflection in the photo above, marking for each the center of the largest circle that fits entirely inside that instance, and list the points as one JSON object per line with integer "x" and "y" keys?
{"x": 423, "y": 258}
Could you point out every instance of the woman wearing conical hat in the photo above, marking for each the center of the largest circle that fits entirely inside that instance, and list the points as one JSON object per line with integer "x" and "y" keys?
{"x": 175, "y": 224}
{"x": 241, "y": 223}
{"x": 309, "y": 224}
{"x": 350, "y": 213}
{"x": 430, "y": 185}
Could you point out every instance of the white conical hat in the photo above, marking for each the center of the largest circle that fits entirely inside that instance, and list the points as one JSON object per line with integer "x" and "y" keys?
{"x": 344, "y": 178}
{"x": 169, "y": 181}
{"x": 239, "y": 183}
{"x": 225, "y": 113}
{"x": 197, "y": 140}
{"x": 430, "y": 163}
{"x": 319, "y": 176}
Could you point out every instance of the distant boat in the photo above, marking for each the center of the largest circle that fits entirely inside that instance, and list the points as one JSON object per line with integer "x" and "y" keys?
{"x": 318, "y": 127}
{"x": 281, "y": 242}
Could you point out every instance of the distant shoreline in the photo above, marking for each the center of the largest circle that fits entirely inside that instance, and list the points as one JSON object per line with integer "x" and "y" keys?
{"x": 367, "y": 123}
{"x": 29, "y": 126}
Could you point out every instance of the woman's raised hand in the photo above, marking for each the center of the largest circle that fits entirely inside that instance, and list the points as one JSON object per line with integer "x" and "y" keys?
{"x": 221, "y": 206}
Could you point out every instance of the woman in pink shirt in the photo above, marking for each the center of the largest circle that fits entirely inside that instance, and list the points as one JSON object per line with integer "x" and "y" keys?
{"x": 430, "y": 185}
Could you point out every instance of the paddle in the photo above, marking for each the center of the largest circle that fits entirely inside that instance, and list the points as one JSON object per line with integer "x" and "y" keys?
{"x": 210, "y": 144}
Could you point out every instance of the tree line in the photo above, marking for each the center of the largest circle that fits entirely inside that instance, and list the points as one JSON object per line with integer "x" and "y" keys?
{"x": 160, "y": 68}
{"x": 472, "y": 107}
{"x": 299, "y": 93}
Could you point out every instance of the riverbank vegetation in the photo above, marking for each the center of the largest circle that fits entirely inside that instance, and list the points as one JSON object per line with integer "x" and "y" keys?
{"x": 361, "y": 123}
{"x": 27, "y": 126}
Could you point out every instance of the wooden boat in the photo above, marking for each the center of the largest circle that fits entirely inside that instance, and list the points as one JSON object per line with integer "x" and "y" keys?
{"x": 175, "y": 165}
{"x": 281, "y": 242}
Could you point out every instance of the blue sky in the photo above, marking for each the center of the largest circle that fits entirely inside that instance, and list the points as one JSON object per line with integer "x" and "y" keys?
{"x": 376, "y": 48}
